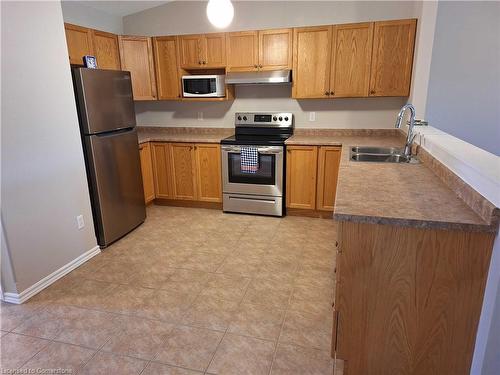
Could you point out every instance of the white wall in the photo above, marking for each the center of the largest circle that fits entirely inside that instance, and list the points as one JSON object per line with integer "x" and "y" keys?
{"x": 188, "y": 17}
{"x": 339, "y": 113}
{"x": 427, "y": 12}
{"x": 43, "y": 185}
{"x": 464, "y": 90}
{"x": 78, "y": 13}
{"x": 184, "y": 17}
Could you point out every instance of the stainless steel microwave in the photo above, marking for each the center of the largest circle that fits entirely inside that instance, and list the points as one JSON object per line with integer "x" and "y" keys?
{"x": 203, "y": 86}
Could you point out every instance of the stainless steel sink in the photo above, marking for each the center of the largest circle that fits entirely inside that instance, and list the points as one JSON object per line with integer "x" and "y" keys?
{"x": 376, "y": 150}
{"x": 380, "y": 158}
{"x": 380, "y": 155}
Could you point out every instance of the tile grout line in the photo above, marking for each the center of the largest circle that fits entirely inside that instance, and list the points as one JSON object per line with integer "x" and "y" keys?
{"x": 279, "y": 335}
{"x": 229, "y": 324}
{"x": 34, "y": 355}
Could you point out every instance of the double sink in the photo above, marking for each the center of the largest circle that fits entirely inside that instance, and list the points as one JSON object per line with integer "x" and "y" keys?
{"x": 380, "y": 154}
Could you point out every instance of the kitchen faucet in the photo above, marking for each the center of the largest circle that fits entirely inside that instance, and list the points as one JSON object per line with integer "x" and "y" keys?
{"x": 410, "y": 137}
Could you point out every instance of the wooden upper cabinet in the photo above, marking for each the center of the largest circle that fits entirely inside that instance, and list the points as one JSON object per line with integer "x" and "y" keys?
{"x": 259, "y": 50}
{"x": 106, "y": 50}
{"x": 351, "y": 60}
{"x": 166, "y": 65}
{"x": 203, "y": 51}
{"x": 208, "y": 172}
{"x": 301, "y": 175}
{"x": 214, "y": 50}
{"x": 311, "y": 62}
{"x": 79, "y": 41}
{"x": 136, "y": 55}
{"x": 392, "y": 59}
{"x": 328, "y": 172}
{"x": 275, "y": 49}
{"x": 242, "y": 51}
{"x": 147, "y": 172}
{"x": 183, "y": 170}
{"x": 190, "y": 51}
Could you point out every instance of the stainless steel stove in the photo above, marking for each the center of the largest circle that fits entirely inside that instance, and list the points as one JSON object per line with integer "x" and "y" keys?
{"x": 262, "y": 191}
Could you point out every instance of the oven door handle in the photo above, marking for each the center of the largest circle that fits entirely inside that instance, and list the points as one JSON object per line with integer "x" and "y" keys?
{"x": 270, "y": 151}
{"x": 231, "y": 149}
{"x": 261, "y": 150}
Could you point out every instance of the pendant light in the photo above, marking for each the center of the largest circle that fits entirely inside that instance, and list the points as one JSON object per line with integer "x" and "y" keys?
{"x": 220, "y": 13}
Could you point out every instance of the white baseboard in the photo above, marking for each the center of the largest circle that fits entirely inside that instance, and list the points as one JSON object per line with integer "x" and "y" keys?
{"x": 26, "y": 294}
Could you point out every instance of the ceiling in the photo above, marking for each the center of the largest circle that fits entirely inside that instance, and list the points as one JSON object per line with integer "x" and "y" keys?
{"x": 122, "y": 8}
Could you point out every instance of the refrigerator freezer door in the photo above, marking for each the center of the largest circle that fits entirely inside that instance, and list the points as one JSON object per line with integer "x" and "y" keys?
{"x": 105, "y": 100}
{"x": 115, "y": 180}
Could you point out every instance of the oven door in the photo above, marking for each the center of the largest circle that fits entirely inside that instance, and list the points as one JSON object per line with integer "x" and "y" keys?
{"x": 268, "y": 180}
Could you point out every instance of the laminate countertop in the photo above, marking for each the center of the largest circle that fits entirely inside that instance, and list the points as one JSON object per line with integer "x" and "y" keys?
{"x": 182, "y": 134}
{"x": 389, "y": 193}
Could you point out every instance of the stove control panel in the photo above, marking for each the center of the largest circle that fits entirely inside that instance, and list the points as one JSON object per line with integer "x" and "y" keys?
{"x": 267, "y": 119}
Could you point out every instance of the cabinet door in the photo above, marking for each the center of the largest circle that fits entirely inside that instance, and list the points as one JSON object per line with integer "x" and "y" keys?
{"x": 275, "y": 49}
{"x": 208, "y": 172}
{"x": 351, "y": 59}
{"x": 162, "y": 171}
{"x": 79, "y": 41}
{"x": 136, "y": 55}
{"x": 166, "y": 65}
{"x": 311, "y": 62}
{"x": 214, "y": 50}
{"x": 147, "y": 172}
{"x": 183, "y": 170}
{"x": 392, "y": 58}
{"x": 242, "y": 51}
{"x": 106, "y": 50}
{"x": 328, "y": 172}
{"x": 301, "y": 174}
{"x": 191, "y": 55}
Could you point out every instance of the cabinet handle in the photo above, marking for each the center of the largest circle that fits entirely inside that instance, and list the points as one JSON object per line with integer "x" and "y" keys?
{"x": 260, "y": 66}
{"x": 204, "y": 62}
{"x": 327, "y": 93}
{"x": 372, "y": 92}
{"x": 255, "y": 66}
{"x": 199, "y": 62}
{"x": 336, "y": 243}
{"x": 332, "y": 92}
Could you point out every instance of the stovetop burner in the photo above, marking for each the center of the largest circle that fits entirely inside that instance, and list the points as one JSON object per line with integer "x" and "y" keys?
{"x": 261, "y": 129}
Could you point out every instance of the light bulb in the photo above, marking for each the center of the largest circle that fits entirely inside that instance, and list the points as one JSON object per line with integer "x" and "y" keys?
{"x": 220, "y": 13}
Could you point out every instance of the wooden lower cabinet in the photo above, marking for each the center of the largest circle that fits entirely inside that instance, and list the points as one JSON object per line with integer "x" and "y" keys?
{"x": 328, "y": 173}
{"x": 147, "y": 172}
{"x": 187, "y": 171}
{"x": 301, "y": 176}
{"x": 183, "y": 170}
{"x": 162, "y": 170}
{"x": 311, "y": 177}
{"x": 408, "y": 300}
{"x": 208, "y": 172}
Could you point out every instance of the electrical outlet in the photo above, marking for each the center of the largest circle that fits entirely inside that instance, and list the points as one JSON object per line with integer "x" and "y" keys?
{"x": 80, "y": 221}
{"x": 200, "y": 116}
{"x": 312, "y": 116}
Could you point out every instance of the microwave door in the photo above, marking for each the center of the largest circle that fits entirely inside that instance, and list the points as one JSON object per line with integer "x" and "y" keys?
{"x": 196, "y": 87}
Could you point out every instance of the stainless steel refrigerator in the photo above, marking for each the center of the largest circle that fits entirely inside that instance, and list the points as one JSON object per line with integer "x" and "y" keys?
{"x": 107, "y": 123}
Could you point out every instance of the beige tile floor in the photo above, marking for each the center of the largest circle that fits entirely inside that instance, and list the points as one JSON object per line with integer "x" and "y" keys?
{"x": 190, "y": 291}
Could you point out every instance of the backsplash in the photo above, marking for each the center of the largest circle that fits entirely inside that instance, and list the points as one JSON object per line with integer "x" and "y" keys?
{"x": 357, "y": 113}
